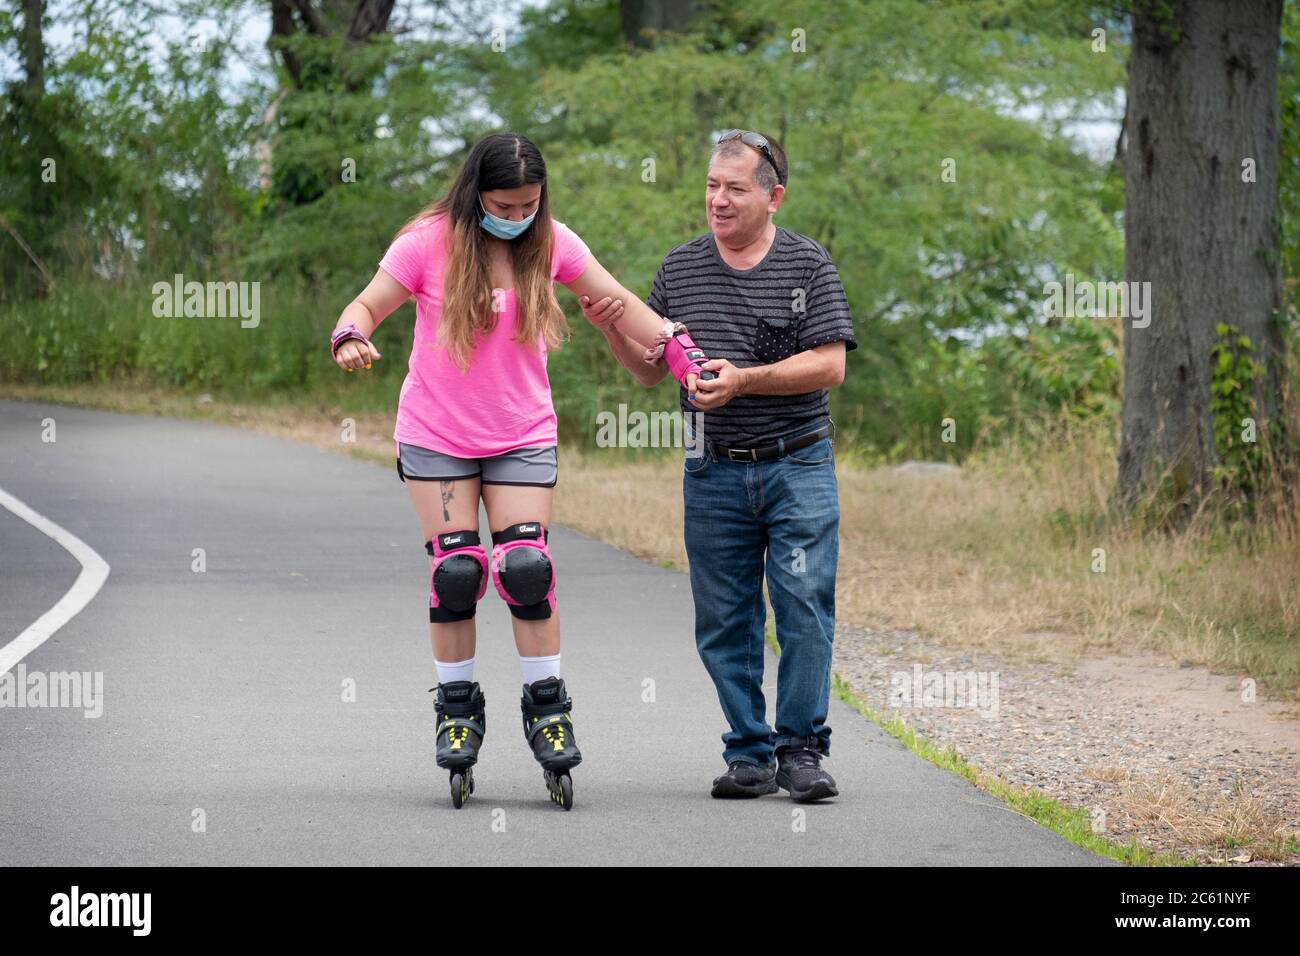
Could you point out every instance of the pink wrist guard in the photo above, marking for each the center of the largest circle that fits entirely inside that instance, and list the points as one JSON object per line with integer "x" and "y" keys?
{"x": 684, "y": 358}
{"x": 349, "y": 331}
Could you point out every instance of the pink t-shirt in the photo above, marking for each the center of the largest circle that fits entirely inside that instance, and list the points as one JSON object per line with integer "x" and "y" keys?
{"x": 503, "y": 401}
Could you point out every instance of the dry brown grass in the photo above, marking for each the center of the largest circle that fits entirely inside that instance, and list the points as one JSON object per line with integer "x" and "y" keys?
{"x": 1106, "y": 774}
{"x": 1000, "y": 558}
{"x": 1003, "y": 554}
{"x": 1165, "y": 801}
{"x": 635, "y": 505}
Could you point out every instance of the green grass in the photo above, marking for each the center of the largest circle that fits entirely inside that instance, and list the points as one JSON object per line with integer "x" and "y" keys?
{"x": 104, "y": 334}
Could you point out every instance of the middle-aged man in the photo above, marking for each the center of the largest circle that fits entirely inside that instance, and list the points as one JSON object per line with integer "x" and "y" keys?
{"x": 767, "y": 306}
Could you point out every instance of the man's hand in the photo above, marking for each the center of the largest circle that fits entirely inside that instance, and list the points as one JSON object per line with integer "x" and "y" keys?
{"x": 729, "y": 383}
{"x": 602, "y": 314}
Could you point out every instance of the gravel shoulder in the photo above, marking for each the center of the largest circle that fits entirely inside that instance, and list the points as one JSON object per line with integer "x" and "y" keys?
{"x": 1173, "y": 758}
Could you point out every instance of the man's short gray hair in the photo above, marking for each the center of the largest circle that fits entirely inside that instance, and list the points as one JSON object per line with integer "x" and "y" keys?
{"x": 764, "y": 175}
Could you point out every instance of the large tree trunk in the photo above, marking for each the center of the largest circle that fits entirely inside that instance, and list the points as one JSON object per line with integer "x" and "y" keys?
{"x": 1202, "y": 99}
{"x": 34, "y": 48}
{"x": 642, "y": 19}
{"x": 33, "y": 213}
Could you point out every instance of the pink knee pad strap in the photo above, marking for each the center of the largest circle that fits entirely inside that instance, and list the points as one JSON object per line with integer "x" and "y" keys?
{"x": 457, "y": 585}
{"x": 523, "y": 571}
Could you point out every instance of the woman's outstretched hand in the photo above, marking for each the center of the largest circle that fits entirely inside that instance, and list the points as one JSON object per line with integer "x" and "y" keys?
{"x": 354, "y": 355}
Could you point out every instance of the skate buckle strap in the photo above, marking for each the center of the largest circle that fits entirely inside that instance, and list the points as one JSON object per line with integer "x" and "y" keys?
{"x": 459, "y": 701}
{"x": 452, "y": 541}
{"x": 546, "y": 720}
{"x": 525, "y": 531}
{"x": 468, "y": 722}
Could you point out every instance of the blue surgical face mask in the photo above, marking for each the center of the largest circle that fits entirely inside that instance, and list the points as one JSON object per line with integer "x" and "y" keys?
{"x": 504, "y": 228}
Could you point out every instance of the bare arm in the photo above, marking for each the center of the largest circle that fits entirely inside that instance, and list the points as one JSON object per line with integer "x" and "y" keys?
{"x": 820, "y": 367}
{"x": 630, "y": 356}
{"x": 639, "y": 321}
{"x": 376, "y": 302}
{"x": 604, "y": 315}
{"x": 638, "y": 324}
{"x": 807, "y": 371}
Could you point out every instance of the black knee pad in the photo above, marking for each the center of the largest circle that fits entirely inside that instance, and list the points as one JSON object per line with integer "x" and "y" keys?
{"x": 522, "y": 570}
{"x": 460, "y": 576}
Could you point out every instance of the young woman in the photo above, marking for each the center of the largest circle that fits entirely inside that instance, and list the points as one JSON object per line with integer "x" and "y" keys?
{"x": 475, "y": 419}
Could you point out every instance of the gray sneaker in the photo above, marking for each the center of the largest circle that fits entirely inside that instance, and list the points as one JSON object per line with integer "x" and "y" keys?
{"x": 744, "y": 778}
{"x": 799, "y": 771}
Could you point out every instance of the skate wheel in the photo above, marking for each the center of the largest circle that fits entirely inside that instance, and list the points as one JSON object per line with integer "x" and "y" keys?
{"x": 561, "y": 788}
{"x": 460, "y": 789}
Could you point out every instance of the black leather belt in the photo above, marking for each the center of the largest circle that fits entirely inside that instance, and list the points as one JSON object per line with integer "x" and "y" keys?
{"x": 768, "y": 452}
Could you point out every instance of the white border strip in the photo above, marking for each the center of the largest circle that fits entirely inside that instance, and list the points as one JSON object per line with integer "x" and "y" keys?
{"x": 94, "y": 572}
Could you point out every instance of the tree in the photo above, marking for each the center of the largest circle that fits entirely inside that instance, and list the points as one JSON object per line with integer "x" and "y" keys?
{"x": 26, "y": 99}
{"x": 322, "y": 47}
{"x": 642, "y": 19}
{"x": 1202, "y": 228}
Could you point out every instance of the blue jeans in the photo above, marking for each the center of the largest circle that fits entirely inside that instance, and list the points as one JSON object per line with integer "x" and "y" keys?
{"x": 745, "y": 519}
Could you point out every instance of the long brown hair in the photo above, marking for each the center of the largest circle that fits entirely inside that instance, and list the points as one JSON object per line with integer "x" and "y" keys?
{"x": 498, "y": 161}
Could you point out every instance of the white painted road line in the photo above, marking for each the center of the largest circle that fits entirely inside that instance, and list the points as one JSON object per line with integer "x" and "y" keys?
{"x": 94, "y": 572}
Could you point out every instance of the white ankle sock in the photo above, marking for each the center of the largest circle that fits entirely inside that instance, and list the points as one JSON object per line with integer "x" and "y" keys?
{"x": 537, "y": 668}
{"x": 454, "y": 670}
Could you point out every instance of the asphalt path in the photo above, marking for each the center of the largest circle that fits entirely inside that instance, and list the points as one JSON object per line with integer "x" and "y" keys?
{"x": 225, "y": 735}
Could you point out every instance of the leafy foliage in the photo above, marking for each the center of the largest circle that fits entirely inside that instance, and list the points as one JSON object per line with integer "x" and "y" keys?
{"x": 1237, "y": 431}
{"x": 161, "y": 151}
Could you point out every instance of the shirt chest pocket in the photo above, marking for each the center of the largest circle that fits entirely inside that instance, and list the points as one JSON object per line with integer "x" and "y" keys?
{"x": 776, "y": 337}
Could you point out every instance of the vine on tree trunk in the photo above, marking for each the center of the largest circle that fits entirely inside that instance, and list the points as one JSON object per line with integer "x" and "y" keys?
{"x": 1235, "y": 412}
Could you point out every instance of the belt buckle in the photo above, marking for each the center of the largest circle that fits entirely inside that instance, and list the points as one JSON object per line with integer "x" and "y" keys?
{"x": 731, "y": 454}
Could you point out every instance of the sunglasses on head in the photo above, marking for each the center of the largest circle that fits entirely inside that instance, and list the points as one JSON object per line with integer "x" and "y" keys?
{"x": 759, "y": 142}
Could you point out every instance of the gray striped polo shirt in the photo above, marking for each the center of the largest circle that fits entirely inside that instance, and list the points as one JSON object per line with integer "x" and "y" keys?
{"x": 788, "y": 303}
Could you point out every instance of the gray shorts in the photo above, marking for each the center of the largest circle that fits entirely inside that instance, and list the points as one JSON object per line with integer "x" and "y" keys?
{"x": 524, "y": 466}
